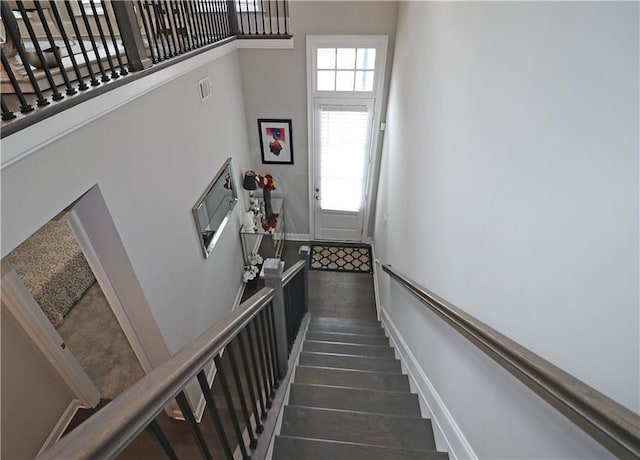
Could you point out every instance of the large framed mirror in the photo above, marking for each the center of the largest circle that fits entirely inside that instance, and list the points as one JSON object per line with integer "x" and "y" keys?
{"x": 213, "y": 209}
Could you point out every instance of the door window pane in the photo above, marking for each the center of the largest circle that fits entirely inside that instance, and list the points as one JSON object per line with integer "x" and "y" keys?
{"x": 344, "y": 152}
{"x": 364, "y": 80}
{"x": 344, "y": 80}
{"x": 326, "y": 80}
{"x": 366, "y": 58}
{"x": 346, "y": 58}
{"x": 326, "y": 58}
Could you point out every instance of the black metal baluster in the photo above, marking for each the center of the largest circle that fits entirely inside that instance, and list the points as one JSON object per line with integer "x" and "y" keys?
{"x": 107, "y": 19}
{"x": 196, "y": 23}
{"x": 252, "y": 395}
{"x": 287, "y": 314}
{"x": 203, "y": 21}
{"x": 226, "y": 18}
{"x": 148, "y": 15}
{"x": 170, "y": 28}
{"x": 265, "y": 380}
{"x": 85, "y": 55}
{"x": 246, "y": 3}
{"x": 158, "y": 32}
{"x": 145, "y": 25}
{"x": 255, "y": 18}
{"x": 34, "y": 39}
{"x": 264, "y": 28}
{"x": 278, "y": 17}
{"x": 253, "y": 442}
{"x": 286, "y": 16}
{"x": 215, "y": 415}
{"x": 166, "y": 29}
{"x": 25, "y": 107}
{"x": 239, "y": 17}
{"x": 6, "y": 113}
{"x": 207, "y": 20}
{"x": 272, "y": 326}
{"x": 272, "y": 345}
{"x": 105, "y": 45}
{"x": 54, "y": 49}
{"x": 85, "y": 20}
{"x": 267, "y": 352}
{"x": 181, "y": 398}
{"x": 162, "y": 440}
{"x": 254, "y": 362}
{"x": 186, "y": 36}
{"x": 270, "y": 18}
{"x": 175, "y": 13}
{"x": 231, "y": 407}
{"x": 12, "y": 29}
{"x": 56, "y": 15}
{"x": 215, "y": 7}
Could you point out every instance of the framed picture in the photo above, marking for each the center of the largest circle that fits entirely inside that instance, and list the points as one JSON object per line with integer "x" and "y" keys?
{"x": 276, "y": 144}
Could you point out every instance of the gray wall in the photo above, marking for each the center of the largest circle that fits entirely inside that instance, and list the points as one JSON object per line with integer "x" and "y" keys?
{"x": 151, "y": 160}
{"x": 275, "y": 86}
{"x": 510, "y": 188}
{"x": 33, "y": 394}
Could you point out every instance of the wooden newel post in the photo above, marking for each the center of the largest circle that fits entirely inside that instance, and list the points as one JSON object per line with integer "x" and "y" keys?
{"x": 131, "y": 36}
{"x": 303, "y": 254}
{"x": 272, "y": 270}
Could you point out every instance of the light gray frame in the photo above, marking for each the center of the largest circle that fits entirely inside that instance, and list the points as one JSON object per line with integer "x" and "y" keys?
{"x": 202, "y": 227}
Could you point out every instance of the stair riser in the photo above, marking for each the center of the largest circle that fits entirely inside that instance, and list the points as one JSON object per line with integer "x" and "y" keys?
{"x": 326, "y": 321}
{"x": 349, "y": 362}
{"x": 358, "y": 400}
{"x": 349, "y": 349}
{"x": 352, "y": 379}
{"x": 348, "y": 338}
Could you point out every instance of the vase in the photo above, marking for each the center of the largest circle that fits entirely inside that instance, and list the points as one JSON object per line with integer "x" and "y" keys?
{"x": 268, "y": 209}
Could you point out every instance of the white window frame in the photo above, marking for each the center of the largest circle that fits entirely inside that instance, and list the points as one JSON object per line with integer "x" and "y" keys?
{"x": 379, "y": 42}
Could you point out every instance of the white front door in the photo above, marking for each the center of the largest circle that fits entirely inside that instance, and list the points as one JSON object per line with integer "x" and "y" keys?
{"x": 342, "y": 151}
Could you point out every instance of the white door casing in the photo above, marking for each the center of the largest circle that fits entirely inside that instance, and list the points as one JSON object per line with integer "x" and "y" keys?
{"x": 365, "y": 90}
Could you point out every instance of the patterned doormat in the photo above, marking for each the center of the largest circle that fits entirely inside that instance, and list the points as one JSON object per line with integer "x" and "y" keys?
{"x": 340, "y": 258}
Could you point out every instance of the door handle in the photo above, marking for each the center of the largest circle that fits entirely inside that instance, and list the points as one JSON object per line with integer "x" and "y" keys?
{"x": 317, "y": 197}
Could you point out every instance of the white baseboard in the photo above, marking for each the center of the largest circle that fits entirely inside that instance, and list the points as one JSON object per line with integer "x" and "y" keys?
{"x": 297, "y": 237}
{"x": 62, "y": 424}
{"x": 444, "y": 426}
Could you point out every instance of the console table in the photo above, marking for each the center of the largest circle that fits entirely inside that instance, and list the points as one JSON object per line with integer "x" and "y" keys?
{"x": 252, "y": 237}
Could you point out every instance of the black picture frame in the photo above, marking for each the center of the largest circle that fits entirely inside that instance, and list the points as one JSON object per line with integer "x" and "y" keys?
{"x": 276, "y": 141}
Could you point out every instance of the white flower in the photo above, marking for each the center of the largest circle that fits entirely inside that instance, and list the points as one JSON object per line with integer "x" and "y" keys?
{"x": 255, "y": 258}
{"x": 250, "y": 272}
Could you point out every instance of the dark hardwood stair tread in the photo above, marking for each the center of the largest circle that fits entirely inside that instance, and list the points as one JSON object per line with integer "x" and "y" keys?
{"x": 352, "y": 378}
{"x": 341, "y": 361}
{"x": 355, "y": 399}
{"x": 374, "y": 429}
{"x": 294, "y": 448}
{"x": 375, "y": 351}
{"x": 340, "y": 337}
{"x": 364, "y": 330}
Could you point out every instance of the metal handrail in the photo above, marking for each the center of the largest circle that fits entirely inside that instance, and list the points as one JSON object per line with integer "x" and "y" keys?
{"x": 112, "y": 428}
{"x": 608, "y": 422}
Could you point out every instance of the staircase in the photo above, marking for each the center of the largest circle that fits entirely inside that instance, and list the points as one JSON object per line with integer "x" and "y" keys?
{"x": 350, "y": 400}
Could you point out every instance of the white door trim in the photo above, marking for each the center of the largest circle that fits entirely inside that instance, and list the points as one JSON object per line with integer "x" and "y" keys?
{"x": 381, "y": 43}
{"x": 107, "y": 288}
{"x": 31, "y": 318}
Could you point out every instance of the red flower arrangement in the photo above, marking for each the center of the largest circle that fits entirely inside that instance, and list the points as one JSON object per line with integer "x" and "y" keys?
{"x": 265, "y": 181}
{"x": 269, "y": 223}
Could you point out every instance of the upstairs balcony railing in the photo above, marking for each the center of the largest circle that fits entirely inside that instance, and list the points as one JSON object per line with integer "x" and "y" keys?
{"x": 56, "y": 54}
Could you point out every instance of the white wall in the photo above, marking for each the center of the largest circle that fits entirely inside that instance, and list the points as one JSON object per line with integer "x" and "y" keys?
{"x": 275, "y": 86}
{"x": 33, "y": 394}
{"x": 151, "y": 159}
{"x": 510, "y": 188}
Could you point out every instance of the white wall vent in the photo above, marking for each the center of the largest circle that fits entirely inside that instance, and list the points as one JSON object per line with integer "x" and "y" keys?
{"x": 206, "y": 90}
